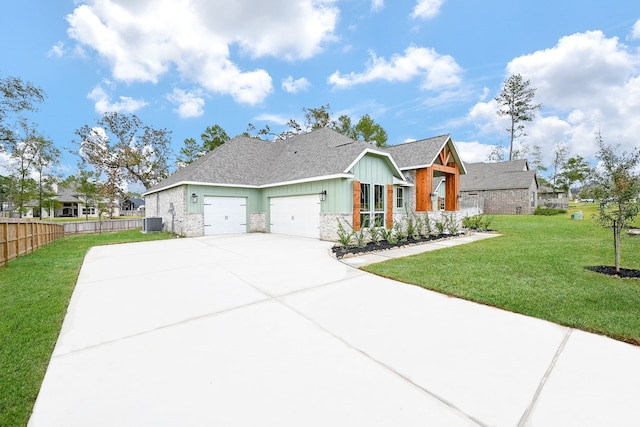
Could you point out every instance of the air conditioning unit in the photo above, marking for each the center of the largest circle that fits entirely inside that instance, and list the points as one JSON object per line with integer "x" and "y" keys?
{"x": 152, "y": 225}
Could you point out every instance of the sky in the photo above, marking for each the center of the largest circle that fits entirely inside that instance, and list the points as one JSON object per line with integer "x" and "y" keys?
{"x": 419, "y": 68}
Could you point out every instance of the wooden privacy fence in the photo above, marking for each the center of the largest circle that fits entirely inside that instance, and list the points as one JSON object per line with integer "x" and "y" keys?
{"x": 102, "y": 226}
{"x": 21, "y": 237}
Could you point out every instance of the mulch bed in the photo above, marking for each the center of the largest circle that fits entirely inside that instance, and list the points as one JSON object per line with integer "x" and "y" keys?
{"x": 625, "y": 273}
{"x": 342, "y": 251}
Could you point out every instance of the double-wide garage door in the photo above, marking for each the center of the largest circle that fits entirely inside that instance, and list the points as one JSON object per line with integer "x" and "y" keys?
{"x": 296, "y": 215}
{"x": 225, "y": 215}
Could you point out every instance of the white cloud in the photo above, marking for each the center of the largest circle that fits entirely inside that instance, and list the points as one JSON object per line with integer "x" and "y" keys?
{"x": 377, "y": 5}
{"x": 143, "y": 40}
{"x": 190, "y": 104}
{"x": 294, "y": 86}
{"x": 474, "y": 151}
{"x": 273, "y": 118}
{"x": 6, "y": 164}
{"x": 635, "y": 32}
{"x": 427, "y": 9}
{"x": 437, "y": 71}
{"x": 56, "y": 50}
{"x": 103, "y": 102}
{"x": 586, "y": 82}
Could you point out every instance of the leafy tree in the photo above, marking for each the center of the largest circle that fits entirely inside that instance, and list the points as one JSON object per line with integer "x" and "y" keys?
{"x": 317, "y": 118}
{"x": 619, "y": 185}
{"x": 23, "y": 154}
{"x": 16, "y": 96}
{"x": 5, "y": 191}
{"x": 213, "y": 136}
{"x": 87, "y": 187}
{"x": 516, "y": 101}
{"x": 371, "y": 131}
{"x": 343, "y": 125}
{"x": 532, "y": 155}
{"x": 47, "y": 156}
{"x": 124, "y": 150}
{"x": 560, "y": 153}
{"x": 496, "y": 155}
{"x": 575, "y": 169}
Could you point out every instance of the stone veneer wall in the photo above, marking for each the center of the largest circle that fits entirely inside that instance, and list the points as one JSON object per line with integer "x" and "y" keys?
{"x": 329, "y": 224}
{"x": 258, "y": 222}
{"x": 181, "y": 223}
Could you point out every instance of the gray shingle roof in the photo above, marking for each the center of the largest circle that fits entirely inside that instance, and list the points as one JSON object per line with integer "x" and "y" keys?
{"x": 324, "y": 152}
{"x": 496, "y": 176}
{"x": 254, "y": 162}
{"x": 67, "y": 194}
{"x": 417, "y": 153}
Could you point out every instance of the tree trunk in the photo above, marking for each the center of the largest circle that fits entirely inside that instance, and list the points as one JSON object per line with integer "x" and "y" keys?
{"x": 616, "y": 246}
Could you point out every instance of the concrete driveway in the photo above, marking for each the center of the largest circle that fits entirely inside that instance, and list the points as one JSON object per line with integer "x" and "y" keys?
{"x": 269, "y": 330}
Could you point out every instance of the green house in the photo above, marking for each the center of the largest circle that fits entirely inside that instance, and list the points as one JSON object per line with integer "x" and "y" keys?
{"x": 304, "y": 185}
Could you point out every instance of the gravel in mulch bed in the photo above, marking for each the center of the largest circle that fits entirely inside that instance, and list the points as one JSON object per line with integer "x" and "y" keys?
{"x": 342, "y": 251}
{"x": 625, "y": 273}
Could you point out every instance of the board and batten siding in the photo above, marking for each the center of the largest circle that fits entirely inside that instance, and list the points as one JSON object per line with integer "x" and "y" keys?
{"x": 374, "y": 170}
{"x": 252, "y": 194}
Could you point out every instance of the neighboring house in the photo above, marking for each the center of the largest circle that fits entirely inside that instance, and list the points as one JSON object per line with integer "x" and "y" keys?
{"x": 502, "y": 188}
{"x": 304, "y": 185}
{"x": 132, "y": 205}
{"x": 551, "y": 198}
{"x": 72, "y": 204}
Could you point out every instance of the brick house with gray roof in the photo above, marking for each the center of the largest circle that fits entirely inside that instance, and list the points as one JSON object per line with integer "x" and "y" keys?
{"x": 304, "y": 185}
{"x": 505, "y": 187}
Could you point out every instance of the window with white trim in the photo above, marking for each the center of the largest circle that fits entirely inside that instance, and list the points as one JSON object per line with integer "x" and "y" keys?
{"x": 400, "y": 197}
{"x": 371, "y": 205}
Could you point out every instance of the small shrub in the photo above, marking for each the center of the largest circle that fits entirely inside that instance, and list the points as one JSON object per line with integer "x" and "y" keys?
{"x": 440, "y": 226}
{"x": 361, "y": 238}
{"x": 387, "y": 234}
{"x": 451, "y": 224}
{"x": 477, "y": 222}
{"x": 411, "y": 230}
{"x": 399, "y": 232}
{"x": 549, "y": 211}
{"x": 344, "y": 237}
{"x": 419, "y": 226}
{"x": 428, "y": 228}
{"x": 375, "y": 233}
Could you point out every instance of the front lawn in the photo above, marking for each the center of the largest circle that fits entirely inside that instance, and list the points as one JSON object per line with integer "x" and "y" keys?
{"x": 34, "y": 293}
{"x": 537, "y": 268}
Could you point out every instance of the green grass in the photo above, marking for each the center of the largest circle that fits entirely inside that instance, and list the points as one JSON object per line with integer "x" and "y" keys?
{"x": 537, "y": 268}
{"x": 34, "y": 294}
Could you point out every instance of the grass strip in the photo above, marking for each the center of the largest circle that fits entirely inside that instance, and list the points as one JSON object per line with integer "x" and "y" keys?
{"x": 536, "y": 268}
{"x": 34, "y": 294}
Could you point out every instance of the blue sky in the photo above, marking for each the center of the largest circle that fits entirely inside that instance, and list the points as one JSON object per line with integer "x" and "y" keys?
{"x": 420, "y": 68}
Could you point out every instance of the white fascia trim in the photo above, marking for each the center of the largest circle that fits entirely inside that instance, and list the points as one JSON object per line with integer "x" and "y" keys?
{"x": 408, "y": 168}
{"x": 402, "y": 183}
{"x": 377, "y": 153}
{"x": 276, "y": 184}
{"x": 464, "y": 169}
{"x": 315, "y": 178}
{"x": 207, "y": 184}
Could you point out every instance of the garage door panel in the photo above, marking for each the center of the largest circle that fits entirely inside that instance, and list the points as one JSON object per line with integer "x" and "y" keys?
{"x": 296, "y": 215}
{"x": 225, "y": 215}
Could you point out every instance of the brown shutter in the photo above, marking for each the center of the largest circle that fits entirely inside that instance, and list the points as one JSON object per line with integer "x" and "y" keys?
{"x": 424, "y": 187}
{"x": 356, "y": 205}
{"x": 452, "y": 188}
{"x": 389, "y": 206}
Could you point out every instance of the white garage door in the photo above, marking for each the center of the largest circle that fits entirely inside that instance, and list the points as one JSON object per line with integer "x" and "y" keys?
{"x": 225, "y": 215}
{"x": 296, "y": 216}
